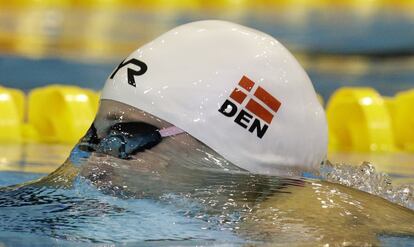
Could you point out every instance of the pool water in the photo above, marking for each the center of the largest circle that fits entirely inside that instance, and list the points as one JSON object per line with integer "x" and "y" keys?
{"x": 83, "y": 214}
{"x": 211, "y": 208}
{"x": 220, "y": 208}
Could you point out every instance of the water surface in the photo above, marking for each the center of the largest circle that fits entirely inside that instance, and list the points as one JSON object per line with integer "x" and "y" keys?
{"x": 199, "y": 207}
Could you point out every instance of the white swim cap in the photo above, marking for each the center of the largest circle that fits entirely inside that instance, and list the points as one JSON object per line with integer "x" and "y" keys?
{"x": 237, "y": 90}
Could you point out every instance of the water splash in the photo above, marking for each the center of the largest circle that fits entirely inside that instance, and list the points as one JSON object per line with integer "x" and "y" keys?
{"x": 367, "y": 179}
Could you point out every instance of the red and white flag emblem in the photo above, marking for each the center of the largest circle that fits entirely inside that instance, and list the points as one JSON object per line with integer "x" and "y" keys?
{"x": 261, "y": 103}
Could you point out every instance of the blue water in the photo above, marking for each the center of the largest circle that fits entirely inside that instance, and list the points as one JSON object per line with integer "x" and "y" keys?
{"x": 83, "y": 214}
{"x": 11, "y": 178}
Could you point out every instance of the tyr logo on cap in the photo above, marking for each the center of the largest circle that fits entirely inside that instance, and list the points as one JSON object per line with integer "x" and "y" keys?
{"x": 260, "y": 103}
{"x": 131, "y": 72}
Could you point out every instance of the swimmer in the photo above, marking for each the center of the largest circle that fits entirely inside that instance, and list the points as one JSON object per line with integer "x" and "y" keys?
{"x": 272, "y": 208}
{"x": 214, "y": 107}
{"x": 221, "y": 114}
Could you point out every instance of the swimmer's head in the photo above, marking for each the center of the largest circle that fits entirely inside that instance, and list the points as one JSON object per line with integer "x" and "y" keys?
{"x": 231, "y": 88}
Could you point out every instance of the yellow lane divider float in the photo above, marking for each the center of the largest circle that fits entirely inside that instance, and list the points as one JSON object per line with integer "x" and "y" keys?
{"x": 11, "y": 114}
{"x": 56, "y": 113}
{"x": 359, "y": 119}
{"x": 403, "y": 120}
{"x": 61, "y": 113}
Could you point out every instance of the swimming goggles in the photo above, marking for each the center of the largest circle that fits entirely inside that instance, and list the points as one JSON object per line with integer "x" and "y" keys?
{"x": 126, "y": 139}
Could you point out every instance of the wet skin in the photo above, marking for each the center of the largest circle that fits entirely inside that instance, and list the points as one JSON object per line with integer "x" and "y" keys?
{"x": 276, "y": 210}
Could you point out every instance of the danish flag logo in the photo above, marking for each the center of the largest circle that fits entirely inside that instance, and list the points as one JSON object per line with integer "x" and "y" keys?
{"x": 257, "y": 101}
